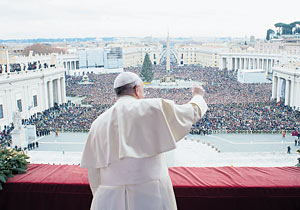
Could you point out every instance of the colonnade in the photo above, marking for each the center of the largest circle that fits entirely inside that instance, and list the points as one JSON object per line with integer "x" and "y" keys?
{"x": 286, "y": 88}
{"x": 248, "y": 62}
{"x": 54, "y": 92}
{"x": 71, "y": 65}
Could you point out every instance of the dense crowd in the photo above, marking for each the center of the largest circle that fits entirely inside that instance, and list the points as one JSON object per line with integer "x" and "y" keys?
{"x": 233, "y": 106}
{"x": 221, "y": 87}
{"x": 263, "y": 117}
{"x": 66, "y": 117}
{"x": 5, "y": 136}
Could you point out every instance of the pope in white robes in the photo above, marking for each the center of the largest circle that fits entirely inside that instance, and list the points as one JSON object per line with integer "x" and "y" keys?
{"x": 124, "y": 152}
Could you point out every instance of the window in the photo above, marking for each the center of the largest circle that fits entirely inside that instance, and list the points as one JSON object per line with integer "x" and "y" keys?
{"x": 154, "y": 56}
{"x": 35, "y": 101}
{"x": 19, "y": 105}
{"x": 1, "y": 111}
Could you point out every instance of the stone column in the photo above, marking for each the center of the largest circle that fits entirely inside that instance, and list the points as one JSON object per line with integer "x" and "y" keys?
{"x": 298, "y": 96}
{"x": 59, "y": 99}
{"x": 292, "y": 104}
{"x": 296, "y": 101}
{"x": 287, "y": 93}
{"x": 249, "y": 63}
{"x": 39, "y": 98}
{"x": 51, "y": 93}
{"x": 278, "y": 89}
{"x": 26, "y": 102}
{"x": 274, "y": 87}
{"x": 242, "y": 63}
{"x": 46, "y": 96}
{"x": 229, "y": 59}
{"x": 63, "y": 89}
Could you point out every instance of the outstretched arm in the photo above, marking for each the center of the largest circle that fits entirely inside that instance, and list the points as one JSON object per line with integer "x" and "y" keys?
{"x": 180, "y": 118}
{"x": 198, "y": 102}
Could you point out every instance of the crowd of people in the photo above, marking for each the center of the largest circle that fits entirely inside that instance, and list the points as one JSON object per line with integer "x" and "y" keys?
{"x": 5, "y": 136}
{"x": 17, "y": 67}
{"x": 233, "y": 106}
{"x": 221, "y": 87}
{"x": 65, "y": 117}
{"x": 266, "y": 117}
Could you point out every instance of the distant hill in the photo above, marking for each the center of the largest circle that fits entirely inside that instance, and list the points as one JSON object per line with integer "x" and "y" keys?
{"x": 41, "y": 49}
{"x": 44, "y": 40}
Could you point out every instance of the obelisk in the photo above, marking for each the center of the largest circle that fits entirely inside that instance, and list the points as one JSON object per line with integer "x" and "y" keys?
{"x": 168, "y": 55}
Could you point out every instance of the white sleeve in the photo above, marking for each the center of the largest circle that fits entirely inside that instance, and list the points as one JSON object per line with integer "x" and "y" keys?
{"x": 199, "y": 102}
{"x": 180, "y": 118}
{"x": 94, "y": 179}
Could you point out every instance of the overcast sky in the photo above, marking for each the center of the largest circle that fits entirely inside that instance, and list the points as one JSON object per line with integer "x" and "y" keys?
{"x": 186, "y": 18}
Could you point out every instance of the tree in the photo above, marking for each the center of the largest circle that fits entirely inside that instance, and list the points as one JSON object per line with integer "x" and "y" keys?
{"x": 269, "y": 32}
{"x": 295, "y": 27}
{"x": 287, "y": 29}
{"x": 147, "y": 74}
{"x": 283, "y": 28}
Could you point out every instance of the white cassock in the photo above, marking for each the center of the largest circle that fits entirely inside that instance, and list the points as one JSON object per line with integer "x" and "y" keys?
{"x": 124, "y": 152}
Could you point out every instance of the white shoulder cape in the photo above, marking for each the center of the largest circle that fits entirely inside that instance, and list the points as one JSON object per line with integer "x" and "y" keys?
{"x": 138, "y": 128}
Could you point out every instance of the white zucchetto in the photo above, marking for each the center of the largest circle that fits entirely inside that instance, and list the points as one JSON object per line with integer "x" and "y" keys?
{"x": 125, "y": 78}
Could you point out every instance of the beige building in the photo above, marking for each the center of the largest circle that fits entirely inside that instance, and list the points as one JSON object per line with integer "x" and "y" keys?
{"x": 289, "y": 44}
{"x": 133, "y": 55}
{"x": 202, "y": 55}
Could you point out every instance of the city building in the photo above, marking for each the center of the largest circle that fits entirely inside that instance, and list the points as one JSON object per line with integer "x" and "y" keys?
{"x": 133, "y": 55}
{"x": 286, "y": 84}
{"x": 206, "y": 55}
{"x": 32, "y": 87}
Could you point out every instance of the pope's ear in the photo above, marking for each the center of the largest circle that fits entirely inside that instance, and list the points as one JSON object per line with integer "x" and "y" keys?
{"x": 136, "y": 90}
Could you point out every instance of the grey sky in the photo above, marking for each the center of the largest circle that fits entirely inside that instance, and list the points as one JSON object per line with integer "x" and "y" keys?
{"x": 98, "y": 18}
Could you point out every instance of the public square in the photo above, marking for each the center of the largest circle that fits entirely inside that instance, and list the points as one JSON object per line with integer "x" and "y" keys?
{"x": 264, "y": 150}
